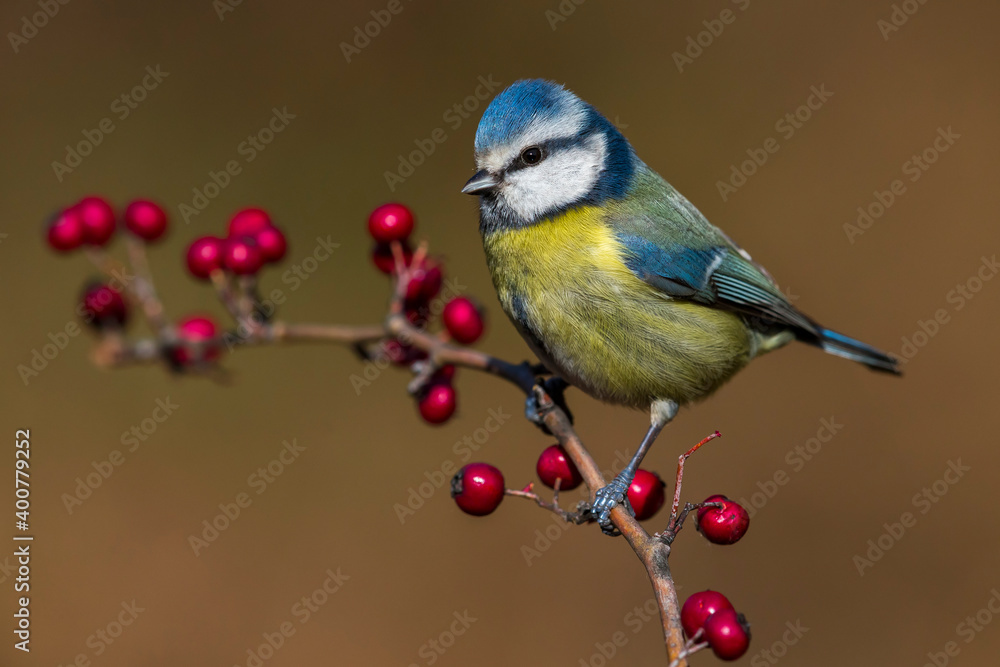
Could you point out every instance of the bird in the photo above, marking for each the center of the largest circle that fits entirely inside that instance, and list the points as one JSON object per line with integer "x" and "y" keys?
{"x": 618, "y": 284}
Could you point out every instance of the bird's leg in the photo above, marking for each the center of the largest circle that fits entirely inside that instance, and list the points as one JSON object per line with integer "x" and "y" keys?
{"x": 606, "y": 498}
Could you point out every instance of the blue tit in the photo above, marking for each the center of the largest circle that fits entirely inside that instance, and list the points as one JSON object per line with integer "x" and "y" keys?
{"x": 615, "y": 280}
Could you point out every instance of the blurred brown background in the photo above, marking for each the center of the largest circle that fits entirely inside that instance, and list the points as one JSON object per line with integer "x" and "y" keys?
{"x": 334, "y": 507}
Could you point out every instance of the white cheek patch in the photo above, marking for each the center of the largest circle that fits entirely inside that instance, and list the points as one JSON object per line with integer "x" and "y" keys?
{"x": 560, "y": 179}
{"x": 567, "y": 124}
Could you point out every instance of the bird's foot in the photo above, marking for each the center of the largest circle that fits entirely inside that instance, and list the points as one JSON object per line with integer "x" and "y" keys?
{"x": 555, "y": 388}
{"x": 609, "y": 497}
{"x": 534, "y": 412}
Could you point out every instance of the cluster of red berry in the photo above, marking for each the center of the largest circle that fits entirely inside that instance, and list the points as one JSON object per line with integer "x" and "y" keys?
{"x": 92, "y": 221}
{"x": 475, "y": 486}
{"x": 391, "y": 226}
{"x": 709, "y": 616}
{"x": 253, "y": 241}
{"x": 478, "y": 489}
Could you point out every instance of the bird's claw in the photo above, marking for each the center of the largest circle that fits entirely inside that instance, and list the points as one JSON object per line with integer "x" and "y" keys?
{"x": 533, "y": 412}
{"x": 554, "y": 388}
{"x": 609, "y": 497}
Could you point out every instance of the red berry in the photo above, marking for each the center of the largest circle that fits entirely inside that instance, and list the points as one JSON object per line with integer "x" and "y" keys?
{"x": 555, "y": 464}
{"x": 728, "y": 633}
{"x": 65, "y": 231}
{"x": 723, "y": 525}
{"x": 425, "y": 282}
{"x": 385, "y": 261}
{"x": 194, "y": 329}
{"x": 646, "y": 494}
{"x": 104, "y": 306}
{"x": 272, "y": 244}
{"x": 204, "y": 255}
{"x": 390, "y": 222}
{"x": 242, "y": 256}
{"x": 699, "y": 607}
{"x": 248, "y": 222}
{"x": 146, "y": 219}
{"x": 478, "y": 489}
{"x": 98, "y": 219}
{"x": 463, "y": 320}
{"x": 437, "y": 403}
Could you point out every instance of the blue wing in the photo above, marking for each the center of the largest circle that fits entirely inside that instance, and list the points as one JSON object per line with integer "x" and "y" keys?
{"x": 716, "y": 276}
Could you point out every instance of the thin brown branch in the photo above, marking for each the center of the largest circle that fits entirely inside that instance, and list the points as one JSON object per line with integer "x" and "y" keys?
{"x": 528, "y": 492}
{"x": 144, "y": 287}
{"x": 680, "y": 471}
{"x": 224, "y": 290}
{"x": 652, "y": 553}
{"x": 326, "y": 333}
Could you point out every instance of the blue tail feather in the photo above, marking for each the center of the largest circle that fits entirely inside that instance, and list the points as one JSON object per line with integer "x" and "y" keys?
{"x": 843, "y": 346}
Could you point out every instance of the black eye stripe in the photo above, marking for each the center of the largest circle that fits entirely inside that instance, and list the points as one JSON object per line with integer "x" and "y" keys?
{"x": 549, "y": 148}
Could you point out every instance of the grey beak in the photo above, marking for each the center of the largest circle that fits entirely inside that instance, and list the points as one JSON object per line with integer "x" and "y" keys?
{"x": 480, "y": 183}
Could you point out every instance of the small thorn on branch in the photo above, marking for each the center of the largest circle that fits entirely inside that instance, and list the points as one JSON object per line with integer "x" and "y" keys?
{"x": 676, "y": 521}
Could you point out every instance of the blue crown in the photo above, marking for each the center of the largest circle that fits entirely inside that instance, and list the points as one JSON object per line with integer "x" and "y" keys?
{"x": 513, "y": 110}
{"x": 529, "y": 100}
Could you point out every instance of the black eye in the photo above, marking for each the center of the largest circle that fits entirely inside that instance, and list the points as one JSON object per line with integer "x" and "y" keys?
{"x": 532, "y": 155}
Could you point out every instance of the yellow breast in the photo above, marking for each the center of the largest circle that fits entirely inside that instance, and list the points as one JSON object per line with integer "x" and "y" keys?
{"x": 566, "y": 286}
